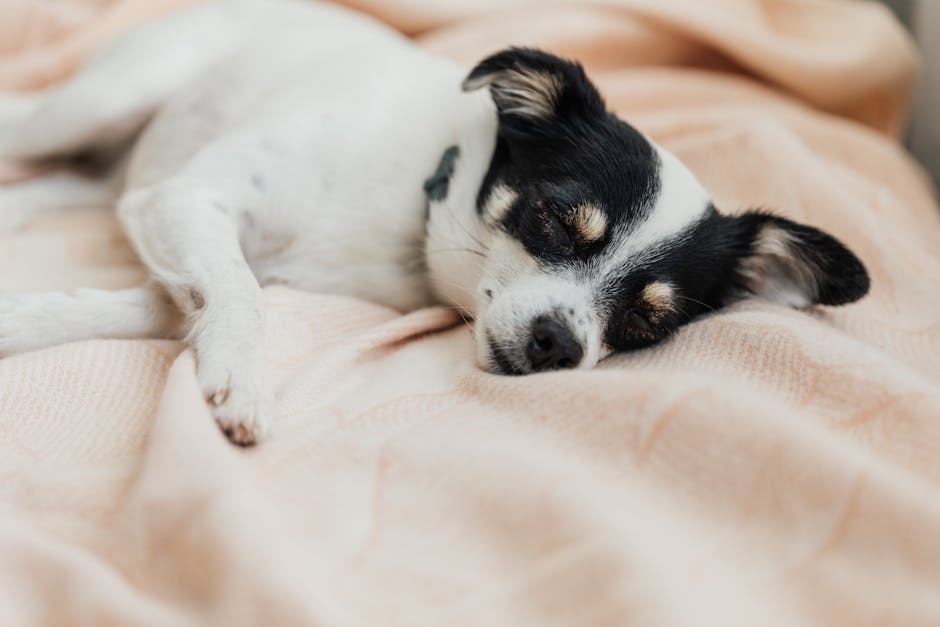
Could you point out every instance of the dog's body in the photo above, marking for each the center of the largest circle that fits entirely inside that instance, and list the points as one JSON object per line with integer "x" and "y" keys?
{"x": 305, "y": 163}
{"x": 294, "y": 142}
{"x": 247, "y": 173}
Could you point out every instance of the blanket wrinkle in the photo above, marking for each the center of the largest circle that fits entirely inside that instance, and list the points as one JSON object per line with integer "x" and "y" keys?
{"x": 762, "y": 467}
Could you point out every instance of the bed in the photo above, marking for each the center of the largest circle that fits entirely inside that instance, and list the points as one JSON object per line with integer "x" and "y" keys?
{"x": 763, "y": 467}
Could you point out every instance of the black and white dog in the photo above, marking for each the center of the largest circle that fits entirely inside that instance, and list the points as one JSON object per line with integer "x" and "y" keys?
{"x": 286, "y": 141}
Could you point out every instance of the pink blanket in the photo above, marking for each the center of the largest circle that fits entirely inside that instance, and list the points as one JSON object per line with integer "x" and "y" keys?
{"x": 764, "y": 467}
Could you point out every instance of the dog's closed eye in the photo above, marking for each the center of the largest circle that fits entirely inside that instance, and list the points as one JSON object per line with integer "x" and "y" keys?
{"x": 559, "y": 237}
{"x": 640, "y": 323}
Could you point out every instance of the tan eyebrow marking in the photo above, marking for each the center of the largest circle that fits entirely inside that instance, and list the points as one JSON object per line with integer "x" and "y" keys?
{"x": 498, "y": 203}
{"x": 658, "y": 295}
{"x": 589, "y": 223}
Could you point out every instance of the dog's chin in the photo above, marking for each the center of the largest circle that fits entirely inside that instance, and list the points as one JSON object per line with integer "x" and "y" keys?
{"x": 497, "y": 360}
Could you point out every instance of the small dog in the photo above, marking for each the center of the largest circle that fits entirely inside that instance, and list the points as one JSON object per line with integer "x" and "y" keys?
{"x": 255, "y": 142}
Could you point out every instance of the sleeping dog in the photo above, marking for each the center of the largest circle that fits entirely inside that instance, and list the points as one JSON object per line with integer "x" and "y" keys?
{"x": 253, "y": 142}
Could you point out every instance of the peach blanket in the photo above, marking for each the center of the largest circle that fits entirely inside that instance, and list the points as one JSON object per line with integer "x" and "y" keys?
{"x": 765, "y": 467}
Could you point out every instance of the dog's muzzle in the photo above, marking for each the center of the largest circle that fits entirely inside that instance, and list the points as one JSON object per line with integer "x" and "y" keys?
{"x": 552, "y": 346}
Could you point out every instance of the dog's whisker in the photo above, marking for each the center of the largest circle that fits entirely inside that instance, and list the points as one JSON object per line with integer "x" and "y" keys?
{"x": 453, "y": 284}
{"x": 463, "y": 288}
{"x": 706, "y": 305}
{"x": 463, "y": 227}
{"x": 465, "y": 318}
{"x": 455, "y": 250}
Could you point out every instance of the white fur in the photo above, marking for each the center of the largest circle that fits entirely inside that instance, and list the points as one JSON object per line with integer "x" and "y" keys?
{"x": 509, "y": 317}
{"x": 265, "y": 158}
{"x": 59, "y": 190}
{"x": 35, "y": 320}
{"x": 286, "y": 141}
{"x": 15, "y": 107}
{"x": 680, "y": 203}
{"x": 456, "y": 244}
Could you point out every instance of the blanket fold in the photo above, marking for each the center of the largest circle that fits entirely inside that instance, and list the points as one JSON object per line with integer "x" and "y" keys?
{"x": 763, "y": 467}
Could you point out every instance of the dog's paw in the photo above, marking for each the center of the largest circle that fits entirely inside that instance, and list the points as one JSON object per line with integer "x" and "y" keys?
{"x": 242, "y": 415}
{"x": 240, "y": 402}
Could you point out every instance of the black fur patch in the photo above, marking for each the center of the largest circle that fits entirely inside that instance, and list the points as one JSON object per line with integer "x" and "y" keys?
{"x": 579, "y": 154}
{"x": 704, "y": 265}
{"x": 437, "y": 185}
{"x": 699, "y": 263}
{"x": 837, "y": 274}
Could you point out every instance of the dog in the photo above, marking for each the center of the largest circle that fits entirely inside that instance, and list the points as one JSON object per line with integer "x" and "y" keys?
{"x": 246, "y": 143}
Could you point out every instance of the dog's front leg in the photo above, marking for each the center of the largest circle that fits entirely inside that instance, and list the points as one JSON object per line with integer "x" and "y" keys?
{"x": 188, "y": 237}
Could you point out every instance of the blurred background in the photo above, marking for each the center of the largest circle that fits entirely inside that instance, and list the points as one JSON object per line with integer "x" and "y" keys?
{"x": 922, "y": 17}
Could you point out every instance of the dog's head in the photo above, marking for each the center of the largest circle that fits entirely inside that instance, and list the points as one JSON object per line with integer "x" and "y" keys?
{"x": 597, "y": 240}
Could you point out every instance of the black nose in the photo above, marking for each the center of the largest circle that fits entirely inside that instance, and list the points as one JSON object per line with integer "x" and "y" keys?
{"x": 552, "y": 346}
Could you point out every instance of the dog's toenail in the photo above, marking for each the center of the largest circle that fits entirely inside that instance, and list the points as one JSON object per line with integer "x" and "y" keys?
{"x": 219, "y": 397}
{"x": 198, "y": 300}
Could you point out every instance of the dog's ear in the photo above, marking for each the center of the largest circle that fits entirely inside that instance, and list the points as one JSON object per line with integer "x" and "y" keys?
{"x": 535, "y": 92}
{"x": 795, "y": 264}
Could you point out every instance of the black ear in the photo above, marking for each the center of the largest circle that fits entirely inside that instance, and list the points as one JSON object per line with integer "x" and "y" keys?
{"x": 797, "y": 265}
{"x": 532, "y": 89}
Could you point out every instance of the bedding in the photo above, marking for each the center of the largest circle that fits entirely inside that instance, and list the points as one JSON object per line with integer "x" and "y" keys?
{"x": 763, "y": 467}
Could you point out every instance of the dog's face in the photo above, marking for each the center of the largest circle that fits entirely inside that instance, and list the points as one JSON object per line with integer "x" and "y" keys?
{"x": 600, "y": 241}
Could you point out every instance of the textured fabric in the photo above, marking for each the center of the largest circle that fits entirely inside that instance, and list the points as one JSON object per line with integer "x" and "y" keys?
{"x": 764, "y": 467}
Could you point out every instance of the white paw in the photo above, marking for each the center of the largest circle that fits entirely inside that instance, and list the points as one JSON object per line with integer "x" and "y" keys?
{"x": 240, "y": 400}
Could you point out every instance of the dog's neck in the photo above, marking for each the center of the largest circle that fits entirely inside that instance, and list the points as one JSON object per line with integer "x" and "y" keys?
{"x": 456, "y": 238}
